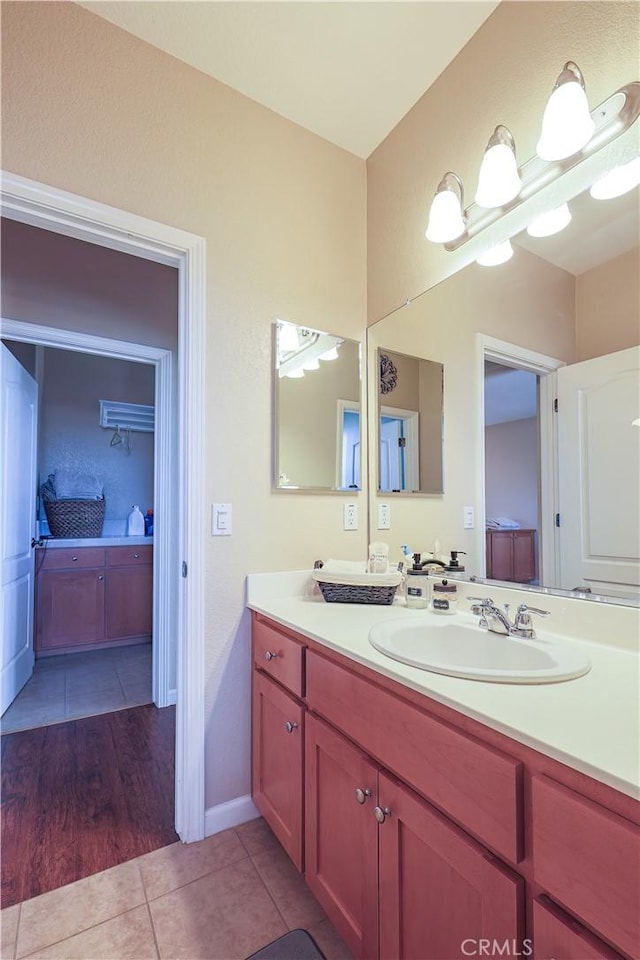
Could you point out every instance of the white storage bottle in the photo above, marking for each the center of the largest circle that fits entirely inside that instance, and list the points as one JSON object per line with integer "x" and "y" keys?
{"x": 444, "y": 597}
{"x": 135, "y": 522}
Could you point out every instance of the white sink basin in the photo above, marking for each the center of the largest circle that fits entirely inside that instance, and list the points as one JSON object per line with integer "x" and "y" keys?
{"x": 458, "y": 649}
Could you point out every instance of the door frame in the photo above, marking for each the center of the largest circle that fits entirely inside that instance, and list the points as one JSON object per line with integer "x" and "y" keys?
{"x": 521, "y": 358}
{"x": 181, "y": 583}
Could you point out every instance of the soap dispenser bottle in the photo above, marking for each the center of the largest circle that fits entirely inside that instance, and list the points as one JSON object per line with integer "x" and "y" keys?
{"x": 135, "y": 522}
{"x": 417, "y": 585}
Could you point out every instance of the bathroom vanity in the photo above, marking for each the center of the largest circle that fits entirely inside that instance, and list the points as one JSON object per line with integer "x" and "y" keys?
{"x": 93, "y": 595}
{"x": 429, "y": 813}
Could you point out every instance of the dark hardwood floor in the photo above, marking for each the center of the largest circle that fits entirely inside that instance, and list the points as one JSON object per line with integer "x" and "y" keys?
{"x": 81, "y": 796}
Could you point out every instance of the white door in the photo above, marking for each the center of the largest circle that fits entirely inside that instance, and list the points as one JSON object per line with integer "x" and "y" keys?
{"x": 599, "y": 473}
{"x": 19, "y": 414}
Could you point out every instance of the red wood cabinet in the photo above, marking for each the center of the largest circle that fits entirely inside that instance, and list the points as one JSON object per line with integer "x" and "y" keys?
{"x": 511, "y": 555}
{"x": 92, "y": 597}
{"x": 557, "y": 936}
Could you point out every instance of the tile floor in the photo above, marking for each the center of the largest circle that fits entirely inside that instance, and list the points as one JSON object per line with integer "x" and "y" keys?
{"x": 76, "y": 685}
{"x": 220, "y": 899}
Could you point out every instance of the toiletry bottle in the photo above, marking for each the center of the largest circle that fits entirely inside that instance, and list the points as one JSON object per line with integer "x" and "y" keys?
{"x": 135, "y": 522}
{"x": 378, "y": 558}
{"x": 444, "y": 597}
{"x": 148, "y": 523}
{"x": 417, "y": 585}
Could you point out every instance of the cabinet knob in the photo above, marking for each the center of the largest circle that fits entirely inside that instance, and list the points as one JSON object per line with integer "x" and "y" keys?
{"x": 361, "y": 795}
{"x": 381, "y": 814}
{"x": 136, "y": 556}
{"x": 290, "y": 726}
{"x": 74, "y": 559}
{"x": 270, "y": 655}
{"x": 100, "y": 577}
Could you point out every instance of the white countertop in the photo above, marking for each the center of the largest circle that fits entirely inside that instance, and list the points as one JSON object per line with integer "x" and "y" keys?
{"x": 52, "y": 542}
{"x": 591, "y": 723}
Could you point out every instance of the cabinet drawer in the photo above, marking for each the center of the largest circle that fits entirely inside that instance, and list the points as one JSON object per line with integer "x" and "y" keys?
{"x": 476, "y": 785}
{"x": 557, "y": 936}
{"x": 587, "y": 858}
{"x": 125, "y": 556}
{"x": 66, "y": 558}
{"x": 278, "y": 655}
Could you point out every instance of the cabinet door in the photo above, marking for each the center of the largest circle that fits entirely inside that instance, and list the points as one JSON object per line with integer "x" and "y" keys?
{"x": 502, "y": 555}
{"x": 70, "y": 607}
{"x": 277, "y": 753}
{"x": 129, "y": 601}
{"x": 341, "y": 835}
{"x": 524, "y": 556}
{"x": 440, "y": 891}
{"x": 556, "y": 936}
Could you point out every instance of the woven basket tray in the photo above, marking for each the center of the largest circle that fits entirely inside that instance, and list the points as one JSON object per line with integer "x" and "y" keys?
{"x": 352, "y": 593}
{"x": 75, "y": 519}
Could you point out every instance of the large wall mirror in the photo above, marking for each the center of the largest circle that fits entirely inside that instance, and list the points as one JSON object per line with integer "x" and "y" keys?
{"x": 317, "y": 423}
{"x": 559, "y": 318}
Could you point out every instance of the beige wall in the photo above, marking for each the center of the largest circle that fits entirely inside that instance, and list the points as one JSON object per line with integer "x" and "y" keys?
{"x": 90, "y": 109}
{"x": 608, "y": 307}
{"x": 503, "y": 75}
{"x": 511, "y": 471}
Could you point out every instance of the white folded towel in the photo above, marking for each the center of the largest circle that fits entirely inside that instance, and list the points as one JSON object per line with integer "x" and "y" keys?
{"x": 77, "y": 486}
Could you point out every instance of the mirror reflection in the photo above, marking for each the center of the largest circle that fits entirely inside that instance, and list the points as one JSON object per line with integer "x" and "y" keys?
{"x": 316, "y": 410}
{"x": 559, "y": 319}
{"x": 410, "y": 391}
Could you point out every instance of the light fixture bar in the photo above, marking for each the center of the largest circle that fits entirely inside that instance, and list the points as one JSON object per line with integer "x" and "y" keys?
{"x": 612, "y": 118}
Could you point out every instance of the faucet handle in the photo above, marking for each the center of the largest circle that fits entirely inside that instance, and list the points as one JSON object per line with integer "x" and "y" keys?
{"x": 525, "y": 609}
{"x": 483, "y": 601}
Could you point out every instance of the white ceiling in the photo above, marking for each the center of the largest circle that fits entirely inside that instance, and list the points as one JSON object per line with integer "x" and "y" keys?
{"x": 509, "y": 394}
{"x": 347, "y": 70}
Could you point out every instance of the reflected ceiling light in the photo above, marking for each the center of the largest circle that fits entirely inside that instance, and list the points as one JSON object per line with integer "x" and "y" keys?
{"x": 446, "y": 216}
{"x": 294, "y": 374}
{"x": 331, "y": 354}
{"x": 618, "y": 181}
{"x": 567, "y": 125}
{"x": 288, "y": 339}
{"x": 553, "y": 221}
{"x": 498, "y": 180}
{"x": 494, "y": 256}
{"x": 311, "y": 365}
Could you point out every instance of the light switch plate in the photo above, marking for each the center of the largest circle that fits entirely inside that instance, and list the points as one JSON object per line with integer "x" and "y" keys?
{"x": 469, "y": 518}
{"x": 384, "y": 516}
{"x": 221, "y": 519}
{"x": 350, "y": 516}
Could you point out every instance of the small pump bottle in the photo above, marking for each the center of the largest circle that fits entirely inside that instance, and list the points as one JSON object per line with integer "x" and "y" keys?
{"x": 444, "y": 598}
{"x": 417, "y": 585}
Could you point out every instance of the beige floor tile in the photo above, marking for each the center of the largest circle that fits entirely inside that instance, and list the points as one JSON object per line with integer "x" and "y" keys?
{"x": 226, "y": 915}
{"x": 8, "y": 931}
{"x": 329, "y": 941}
{"x": 174, "y": 866}
{"x": 292, "y": 896}
{"x": 256, "y": 836}
{"x": 64, "y": 912}
{"x": 127, "y": 937}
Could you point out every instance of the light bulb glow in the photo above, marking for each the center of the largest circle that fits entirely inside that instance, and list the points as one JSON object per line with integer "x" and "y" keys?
{"x": 494, "y": 256}
{"x": 446, "y": 216}
{"x": 288, "y": 338}
{"x": 618, "y": 181}
{"x": 311, "y": 365}
{"x": 499, "y": 180}
{"x": 331, "y": 354}
{"x": 296, "y": 374}
{"x": 553, "y": 221}
{"x": 567, "y": 125}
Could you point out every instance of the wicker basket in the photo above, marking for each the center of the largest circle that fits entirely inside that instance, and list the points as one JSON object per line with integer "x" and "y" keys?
{"x": 75, "y": 519}
{"x": 357, "y": 593}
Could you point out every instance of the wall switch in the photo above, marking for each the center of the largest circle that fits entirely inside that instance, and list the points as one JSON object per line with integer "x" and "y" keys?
{"x": 350, "y": 516}
{"x": 220, "y": 519}
{"x": 469, "y": 518}
{"x": 384, "y": 516}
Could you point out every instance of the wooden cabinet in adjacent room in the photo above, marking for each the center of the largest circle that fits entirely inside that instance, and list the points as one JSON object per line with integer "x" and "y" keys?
{"x": 92, "y": 597}
{"x": 511, "y": 555}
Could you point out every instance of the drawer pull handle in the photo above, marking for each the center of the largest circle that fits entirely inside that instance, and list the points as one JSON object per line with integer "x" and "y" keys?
{"x": 362, "y": 795}
{"x": 136, "y": 556}
{"x": 290, "y": 726}
{"x": 100, "y": 577}
{"x": 380, "y": 814}
{"x": 74, "y": 559}
{"x": 270, "y": 655}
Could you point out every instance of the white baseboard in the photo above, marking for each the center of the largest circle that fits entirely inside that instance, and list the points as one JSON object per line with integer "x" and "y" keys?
{"x": 229, "y": 814}
{"x": 173, "y": 697}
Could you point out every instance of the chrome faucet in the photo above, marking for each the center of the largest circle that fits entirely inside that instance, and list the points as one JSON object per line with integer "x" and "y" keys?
{"x": 497, "y": 621}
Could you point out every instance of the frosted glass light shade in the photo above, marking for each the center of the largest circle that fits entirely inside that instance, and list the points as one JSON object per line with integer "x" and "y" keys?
{"x": 331, "y": 354}
{"x": 567, "y": 125}
{"x": 618, "y": 181}
{"x": 553, "y": 221}
{"x": 311, "y": 365}
{"x": 445, "y": 218}
{"x": 494, "y": 256}
{"x": 295, "y": 374}
{"x": 499, "y": 180}
{"x": 288, "y": 339}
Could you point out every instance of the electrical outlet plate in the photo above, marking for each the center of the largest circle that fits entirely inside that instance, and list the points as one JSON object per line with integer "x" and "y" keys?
{"x": 384, "y": 516}
{"x": 350, "y": 516}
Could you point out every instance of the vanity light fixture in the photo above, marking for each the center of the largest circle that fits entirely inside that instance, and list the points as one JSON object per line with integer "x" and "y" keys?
{"x": 617, "y": 182}
{"x": 288, "y": 339}
{"x": 553, "y": 221}
{"x": 567, "y": 125}
{"x": 446, "y": 216}
{"x": 498, "y": 181}
{"x": 331, "y": 354}
{"x": 494, "y": 256}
